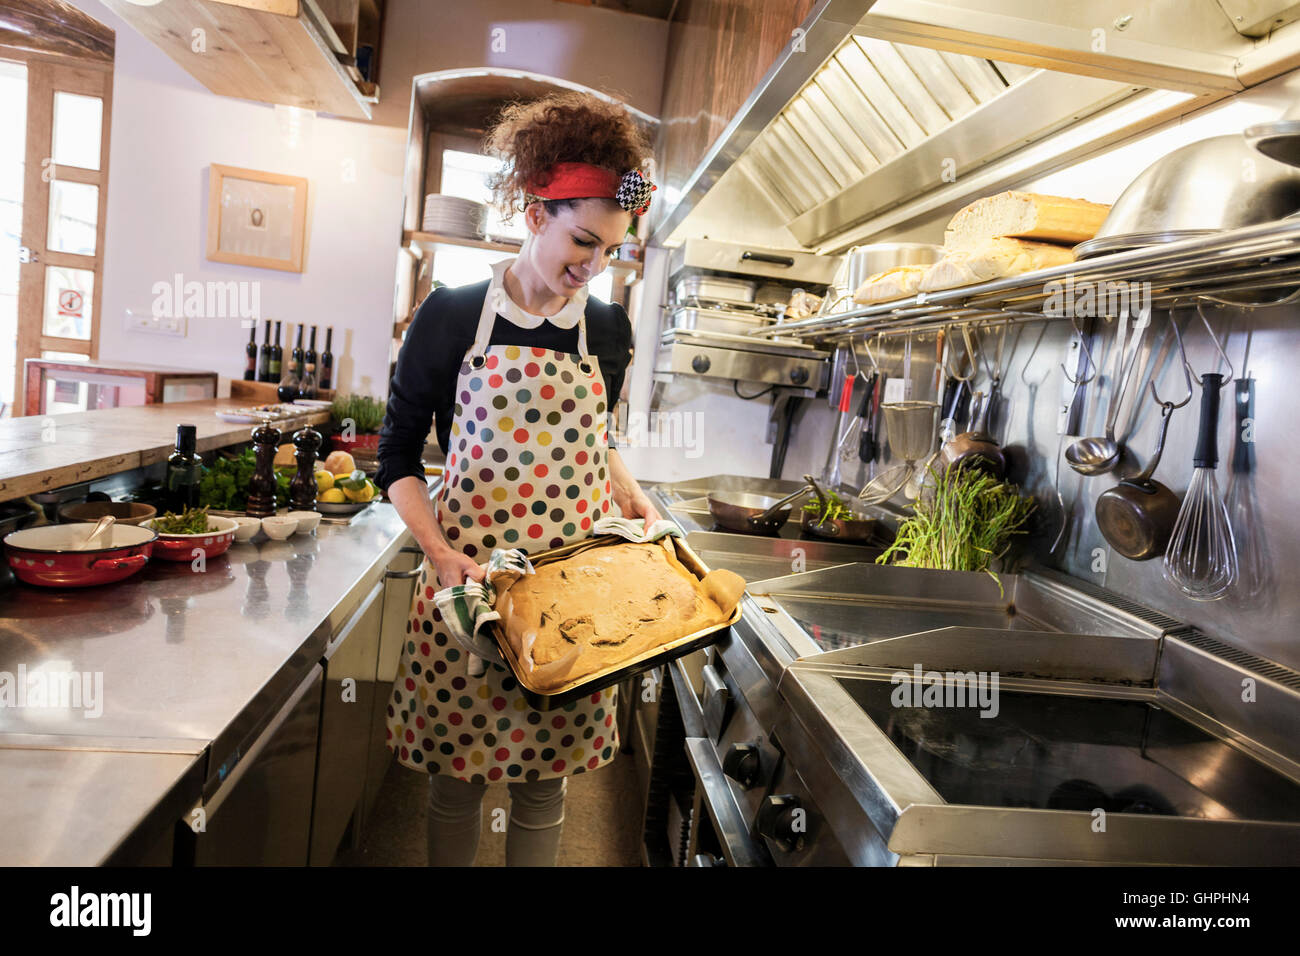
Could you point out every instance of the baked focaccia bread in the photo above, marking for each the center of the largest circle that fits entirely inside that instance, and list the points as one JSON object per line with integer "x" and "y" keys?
{"x": 604, "y": 606}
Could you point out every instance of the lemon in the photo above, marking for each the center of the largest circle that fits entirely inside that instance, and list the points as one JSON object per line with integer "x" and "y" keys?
{"x": 332, "y": 496}
{"x": 362, "y": 493}
{"x": 324, "y": 481}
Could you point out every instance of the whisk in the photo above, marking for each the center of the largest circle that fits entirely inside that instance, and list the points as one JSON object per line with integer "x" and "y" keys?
{"x": 1201, "y": 560}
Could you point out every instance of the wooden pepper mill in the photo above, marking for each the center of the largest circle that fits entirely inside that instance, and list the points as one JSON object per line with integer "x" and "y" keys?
{"x": 302, "y": 489}
{"x": 261, "y": 487}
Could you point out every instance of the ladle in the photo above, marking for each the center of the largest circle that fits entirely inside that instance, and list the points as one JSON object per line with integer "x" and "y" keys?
{"x": 1096, "y": 456}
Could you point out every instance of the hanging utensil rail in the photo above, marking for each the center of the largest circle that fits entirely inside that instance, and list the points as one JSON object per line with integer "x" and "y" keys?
{"x": 1251, "y": 258}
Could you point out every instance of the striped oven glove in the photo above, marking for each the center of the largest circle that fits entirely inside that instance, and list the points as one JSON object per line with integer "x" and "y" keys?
{"x": 467, "y": 608}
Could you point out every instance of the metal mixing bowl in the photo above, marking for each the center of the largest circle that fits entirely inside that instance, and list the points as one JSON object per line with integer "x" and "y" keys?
{"x": 1204, "y": 187}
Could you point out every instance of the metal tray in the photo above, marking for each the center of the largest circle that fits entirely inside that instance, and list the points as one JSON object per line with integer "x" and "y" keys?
{"x": 557, "y": 697}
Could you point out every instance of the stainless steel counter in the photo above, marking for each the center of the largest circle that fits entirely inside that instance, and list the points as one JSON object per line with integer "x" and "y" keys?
{"x": 189, "y": 667}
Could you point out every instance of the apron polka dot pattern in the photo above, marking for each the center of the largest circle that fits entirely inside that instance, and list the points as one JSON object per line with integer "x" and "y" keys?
{"x": 527, "y": 468}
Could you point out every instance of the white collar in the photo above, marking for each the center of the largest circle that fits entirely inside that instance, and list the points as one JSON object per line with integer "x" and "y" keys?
{"x": 501, "y": 302}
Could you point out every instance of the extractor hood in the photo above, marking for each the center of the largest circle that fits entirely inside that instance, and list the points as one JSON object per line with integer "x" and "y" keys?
{"x": 896, "y": 108}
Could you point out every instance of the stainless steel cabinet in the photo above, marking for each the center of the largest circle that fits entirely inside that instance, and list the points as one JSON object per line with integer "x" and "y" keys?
{"x": 261, "y": 813}
{"x": 400, "y": 580}
{"x": 346, "y": 711}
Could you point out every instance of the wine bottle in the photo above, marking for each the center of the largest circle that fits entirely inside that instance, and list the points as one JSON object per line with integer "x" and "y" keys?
{"x": 264, "y": 356}
{"x": 181, "y": 482}
{"x": 326, "y": 374}
{"x": 298, "y": 353}
{"x": 309, "y": 357}
{"x": 277, "y": 356}
{"x": 250, "y": 354}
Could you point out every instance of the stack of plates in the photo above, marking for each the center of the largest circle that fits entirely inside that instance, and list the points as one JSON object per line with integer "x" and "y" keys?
{"x": 453, "y": 216}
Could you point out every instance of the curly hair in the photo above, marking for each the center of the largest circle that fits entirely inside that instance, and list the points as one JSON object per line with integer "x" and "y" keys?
{"x": 568, "y": 127}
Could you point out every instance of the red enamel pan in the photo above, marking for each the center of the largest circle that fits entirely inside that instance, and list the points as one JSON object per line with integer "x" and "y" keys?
{"x": 48, "y": 555}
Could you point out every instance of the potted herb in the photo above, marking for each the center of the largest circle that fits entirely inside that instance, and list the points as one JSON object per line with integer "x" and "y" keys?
{"x": 358, "y": 419}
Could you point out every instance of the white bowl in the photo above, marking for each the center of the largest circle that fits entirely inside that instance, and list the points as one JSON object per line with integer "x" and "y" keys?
{"x": 279, "y": 527}
{"x": 307, "y": 520}
{"x": 248, "y": 526}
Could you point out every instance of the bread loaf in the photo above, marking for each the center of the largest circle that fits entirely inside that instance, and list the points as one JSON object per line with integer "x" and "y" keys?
{"x": 995, "y": 259}
{"x": 605, "y": 606}
{"x": 1024, "y": 216}
{"x": 896, "y": 283}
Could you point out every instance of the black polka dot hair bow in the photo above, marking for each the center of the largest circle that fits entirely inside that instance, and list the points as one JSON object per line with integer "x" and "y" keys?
{"x": 634, "y": 192}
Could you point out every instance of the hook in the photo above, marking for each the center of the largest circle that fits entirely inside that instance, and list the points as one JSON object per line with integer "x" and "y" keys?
{"x": 1083, "y": 342}
{"x": 1030, "y": 358}
{"x": 1187, "y": 369}
{"x": 970, "y": 352}
{"x": 1232, "y": 373}
{"x": 996, "y": 371}
{"x": 866, "y": 344}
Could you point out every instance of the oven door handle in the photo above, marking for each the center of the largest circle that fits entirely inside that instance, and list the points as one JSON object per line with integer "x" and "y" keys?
{"x": 738, "y": 848}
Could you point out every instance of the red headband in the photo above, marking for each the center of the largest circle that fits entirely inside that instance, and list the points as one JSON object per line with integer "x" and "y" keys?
{"x": 585, "y": 181}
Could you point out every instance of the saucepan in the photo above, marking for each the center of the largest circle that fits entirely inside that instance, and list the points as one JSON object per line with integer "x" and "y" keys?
{"x": 750, "y": 513}
{"x": 51, "y": 555}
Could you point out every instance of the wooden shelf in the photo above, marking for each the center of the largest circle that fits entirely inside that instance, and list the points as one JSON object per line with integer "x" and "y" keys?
{"x": 266, "y": 50}
{"x": 425, "y": 241}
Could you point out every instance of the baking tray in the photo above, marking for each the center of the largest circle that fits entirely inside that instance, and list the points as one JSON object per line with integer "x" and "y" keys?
{"x": 566, "y": 693}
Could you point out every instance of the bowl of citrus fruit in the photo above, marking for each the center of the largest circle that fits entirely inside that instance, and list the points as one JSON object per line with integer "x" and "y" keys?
{"x": 341, "y": 487}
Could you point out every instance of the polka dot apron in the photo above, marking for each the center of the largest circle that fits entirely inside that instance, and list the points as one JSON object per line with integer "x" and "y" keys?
{"x": 527, "y": 469}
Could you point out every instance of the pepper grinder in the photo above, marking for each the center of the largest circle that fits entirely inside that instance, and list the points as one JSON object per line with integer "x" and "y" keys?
{"x": 302, "y": 490}
{"x": 261, "y": 487}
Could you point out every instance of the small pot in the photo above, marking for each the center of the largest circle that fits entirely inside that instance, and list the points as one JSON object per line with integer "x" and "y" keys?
{"x": 976, "y": 448}
{"x": 181, "y": 547}
{"x": 1137, "y": 515}
{"x": 123, "y": 512}
{"x": 48, "y": 555}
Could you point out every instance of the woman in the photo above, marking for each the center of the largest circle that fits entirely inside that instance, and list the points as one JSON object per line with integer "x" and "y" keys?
{"x": 519, "y": 373}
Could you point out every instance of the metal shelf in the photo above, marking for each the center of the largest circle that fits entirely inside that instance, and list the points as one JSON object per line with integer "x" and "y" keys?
{"x": 1247, "y": 260}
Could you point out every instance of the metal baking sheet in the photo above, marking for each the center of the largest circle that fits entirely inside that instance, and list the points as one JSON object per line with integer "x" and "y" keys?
{"x": 557, "y": 697}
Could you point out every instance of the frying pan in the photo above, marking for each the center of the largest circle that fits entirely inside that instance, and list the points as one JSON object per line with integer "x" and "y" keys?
{"x": 750, "y": 513}
{"x": 857, "y": 528}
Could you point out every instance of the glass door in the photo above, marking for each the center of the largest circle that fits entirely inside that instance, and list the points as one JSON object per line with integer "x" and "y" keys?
{"x": 13, "y": 145}
{"x": 60, "y": 252}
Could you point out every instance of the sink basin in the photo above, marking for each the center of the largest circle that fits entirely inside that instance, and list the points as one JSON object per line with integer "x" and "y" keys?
{"x": 756, "y": 557}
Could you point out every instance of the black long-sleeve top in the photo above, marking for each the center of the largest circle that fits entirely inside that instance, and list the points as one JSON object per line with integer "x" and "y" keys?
{"x": 423, "y": 387}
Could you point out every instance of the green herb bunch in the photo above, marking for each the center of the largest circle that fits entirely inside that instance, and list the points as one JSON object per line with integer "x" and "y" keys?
{"x": 224, "y": 484}
{"x": 189, "y": 521}
{"x": 963, "y": 523}
{"x": 830, "y": 508}
{"x": 366, "y": 413}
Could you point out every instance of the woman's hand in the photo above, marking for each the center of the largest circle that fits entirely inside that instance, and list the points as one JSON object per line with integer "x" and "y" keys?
{"x": 639, "y": 506}
{"x": 455, "y": 568}
{"x": 629, "y": 497}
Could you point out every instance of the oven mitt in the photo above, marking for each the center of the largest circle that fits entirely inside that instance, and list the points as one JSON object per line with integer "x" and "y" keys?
{"x": 634, "y": 529}
{"x": 467, "y": 607}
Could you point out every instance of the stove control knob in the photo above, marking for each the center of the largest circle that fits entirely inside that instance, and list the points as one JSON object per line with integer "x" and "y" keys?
{"x": 799, "y": 376}
{"x": 701, "y": 363}
{"x": 784, "y": 821}
{"x": 741, "y": 764}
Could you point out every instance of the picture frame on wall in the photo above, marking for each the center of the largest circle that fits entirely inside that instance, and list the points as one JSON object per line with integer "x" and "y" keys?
{"x": 256, "y": 218}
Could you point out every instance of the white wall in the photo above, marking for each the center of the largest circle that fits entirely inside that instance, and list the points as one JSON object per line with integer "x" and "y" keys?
{"x": 166, "y": 131}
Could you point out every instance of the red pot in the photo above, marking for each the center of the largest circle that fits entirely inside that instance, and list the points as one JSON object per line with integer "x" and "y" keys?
{"x": 181, "y": 547}
{"x": 360, "y": 441}
{"x": 47, "y": 555}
